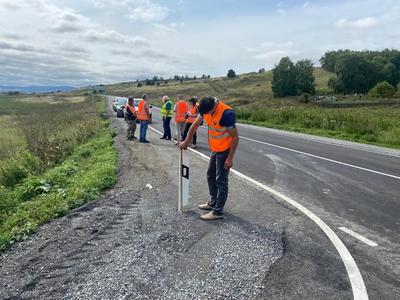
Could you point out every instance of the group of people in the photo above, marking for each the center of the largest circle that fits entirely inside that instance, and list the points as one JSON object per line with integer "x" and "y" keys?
{"x": 223, "y": 139}
{"x": 142, "y": 115}
{"x": 185, "y": 113}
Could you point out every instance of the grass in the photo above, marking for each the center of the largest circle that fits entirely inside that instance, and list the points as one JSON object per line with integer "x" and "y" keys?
{"x": 38, "y": 199}
{"x": 251, "y": 96}
{"x": 372, "y": 125}
{"x": 58, "y": 155}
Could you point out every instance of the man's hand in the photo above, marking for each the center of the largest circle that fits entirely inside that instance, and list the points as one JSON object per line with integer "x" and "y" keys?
{"x": 183, "y": 145}
{"x": 228, "y": 163}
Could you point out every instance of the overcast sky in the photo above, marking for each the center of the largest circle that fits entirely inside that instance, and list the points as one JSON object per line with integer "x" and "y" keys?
{"x": 81, "y": 42}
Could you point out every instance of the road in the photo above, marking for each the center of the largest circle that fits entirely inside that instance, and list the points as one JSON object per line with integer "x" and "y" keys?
{"x": 352, "y": 188}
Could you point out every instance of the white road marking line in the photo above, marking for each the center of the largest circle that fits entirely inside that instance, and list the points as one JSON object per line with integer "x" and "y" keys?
{"x": 323, "y": 158}
{"x": 356, "y": 280}
{"x": 359, "y": 237}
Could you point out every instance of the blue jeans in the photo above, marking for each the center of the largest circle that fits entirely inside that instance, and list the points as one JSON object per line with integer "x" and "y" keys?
{"x": 143, "y": 130}
{"x": 217, "y": 177}
{"x": 167, "y": 127}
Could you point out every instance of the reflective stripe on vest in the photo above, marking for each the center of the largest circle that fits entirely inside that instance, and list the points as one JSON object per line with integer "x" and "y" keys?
{"x": 164, "y": 112}
{"x": 141, "y": 114}
{"x": 219, "y": 138}
{"x": 193, "y": 115}
{"x": 181, "y": 110}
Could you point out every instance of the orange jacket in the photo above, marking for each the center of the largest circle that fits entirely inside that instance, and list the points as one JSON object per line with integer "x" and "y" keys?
{"x": 219, "y": 138}
{"x": 181, "y": 110}
{"x": 142, "y": 114}
{"x": 193, "y": 114}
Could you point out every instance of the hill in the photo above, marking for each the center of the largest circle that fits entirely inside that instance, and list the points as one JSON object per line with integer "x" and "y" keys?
{"x": 242, "y": 90}
{"x": 36, "y": 88}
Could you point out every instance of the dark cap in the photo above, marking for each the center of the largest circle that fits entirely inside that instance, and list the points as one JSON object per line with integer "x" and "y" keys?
{"x": 130, "y": 99}
{"x": 144, "y": 96}
{"x": 207, "y": 104}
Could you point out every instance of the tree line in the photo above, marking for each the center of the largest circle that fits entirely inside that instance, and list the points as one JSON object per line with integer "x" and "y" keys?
{"x": 373, "y": 72}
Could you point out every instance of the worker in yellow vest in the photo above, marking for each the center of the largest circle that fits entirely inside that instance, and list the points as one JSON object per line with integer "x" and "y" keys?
{"x": 180, "y": 110}
{"x": 143, "y": 115}
{"x": 166, "y": 114}
{"x": 223, "y": 140}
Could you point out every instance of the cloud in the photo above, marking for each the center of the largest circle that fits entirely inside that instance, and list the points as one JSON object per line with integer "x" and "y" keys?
{"x": 271, "y": 52}
{"x": 10, "y": 5}
{"x": 73, "y": 49}
{"x": 22, "y": 47}
{"x": 363, "y": 23}
{"x": 147, "y": 11}
{"x": 12, "y": 36}
{"x": 112, "y": 36}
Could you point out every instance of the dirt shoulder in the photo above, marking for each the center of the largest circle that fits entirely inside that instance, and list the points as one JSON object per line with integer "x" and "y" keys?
{"x": 133, "y": 244}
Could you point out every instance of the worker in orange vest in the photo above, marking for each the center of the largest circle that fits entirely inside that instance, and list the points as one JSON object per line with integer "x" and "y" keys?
{"x": 131, "y": 117}
{"x": 223, "y": 140}
{"x": 143, "y": 116}
{"x": 191, "y": 116}
{"x": 180, "y": 110}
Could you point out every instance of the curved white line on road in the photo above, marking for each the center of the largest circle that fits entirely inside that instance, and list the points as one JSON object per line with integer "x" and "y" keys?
{"x": 356, "y": 280}
{"x": 323, "y": 158}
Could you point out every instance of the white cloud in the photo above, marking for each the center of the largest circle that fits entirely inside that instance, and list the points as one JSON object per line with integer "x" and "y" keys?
{"x": 363, "y": 23}
{"x": 147, "y": 11}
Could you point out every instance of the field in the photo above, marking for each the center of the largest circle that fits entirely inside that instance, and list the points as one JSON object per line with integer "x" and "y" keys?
{"x": 56, "y": 153}
{"x": 251, "y": 95}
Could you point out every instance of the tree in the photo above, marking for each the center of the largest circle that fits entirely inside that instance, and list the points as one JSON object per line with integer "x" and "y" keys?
{"x": 194, "y": 77}
{"x": 139, "y": 84}
{"x": 231, "y": 73}
{"x": 208, "y": 76}
{"x": 262, "y": 70}
{"x": 305, "y": 80}
{"x": 203, "y": 76}
{"x": 284, "y": 79}
{"x": 155, "y": 78}
{"x": 382, "y": 90}
{"x": 166, "y": 82}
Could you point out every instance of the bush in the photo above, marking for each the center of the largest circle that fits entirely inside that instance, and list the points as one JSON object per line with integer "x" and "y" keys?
{"x": 18, "y": 167}
{"x": 231, "y": 73}
{"x": 139, "y": 84}
{"x": 382, "y": 90}
{"x": 305, "y": 98}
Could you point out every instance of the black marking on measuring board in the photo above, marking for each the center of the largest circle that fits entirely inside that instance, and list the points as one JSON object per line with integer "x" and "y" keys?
{"x": 185, "y": 171}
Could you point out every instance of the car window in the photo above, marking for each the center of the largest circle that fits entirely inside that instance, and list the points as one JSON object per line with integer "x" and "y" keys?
{"x": 136, "y": 103}
{"x": 121, "y": 101}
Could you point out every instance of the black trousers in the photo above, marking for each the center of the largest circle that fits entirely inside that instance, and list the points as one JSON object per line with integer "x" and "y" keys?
{"x": 167, "y": 127}
{"x": 217, "y": 178}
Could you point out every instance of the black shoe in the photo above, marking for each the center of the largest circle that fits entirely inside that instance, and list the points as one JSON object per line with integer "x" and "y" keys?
{"x": 145, "y": 141}
{"x": 168, "y": 139}
{"x": 163, "y": 138}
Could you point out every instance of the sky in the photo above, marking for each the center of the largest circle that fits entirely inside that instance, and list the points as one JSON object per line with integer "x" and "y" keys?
{"x": 82, "y": 42}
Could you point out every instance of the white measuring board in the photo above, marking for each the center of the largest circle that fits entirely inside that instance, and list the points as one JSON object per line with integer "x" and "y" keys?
{"x": 184, "y": 167}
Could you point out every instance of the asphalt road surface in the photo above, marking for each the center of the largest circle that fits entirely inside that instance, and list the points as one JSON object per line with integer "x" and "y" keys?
{"x": 353, "y": 188}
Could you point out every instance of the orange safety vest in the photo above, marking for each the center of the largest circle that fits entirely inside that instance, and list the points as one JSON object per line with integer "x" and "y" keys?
{"x": 141, "y": 114}
{"x": 131, "y": 108}
{"x": 181, "y": 110}
{"x": 219, "y": 138}
{"x": 193, "y": 114}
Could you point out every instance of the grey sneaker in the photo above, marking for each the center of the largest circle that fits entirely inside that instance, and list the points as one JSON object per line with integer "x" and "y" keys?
{"x": 211, "y": 216}
{"x": 205, "y": 206}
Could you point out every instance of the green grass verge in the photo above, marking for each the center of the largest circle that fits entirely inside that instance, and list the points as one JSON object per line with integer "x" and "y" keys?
{"x": 377, "y": 126}
{"x": 80, "y": 178}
